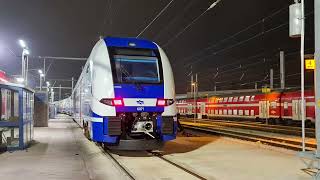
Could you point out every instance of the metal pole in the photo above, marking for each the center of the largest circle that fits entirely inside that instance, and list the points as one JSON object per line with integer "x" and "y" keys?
{"x": 302, "y": 77}
{"x": 256, "y": 85}
{"x": 27, "y": 69}
{"x": 44, "y": 69}
{"x": 40, "y": 85}
{"x": 317, "y": 72}
{"x": 60, "y": 92}
{"x": 195, "y": 96}
{"x": 271, "y": 78}
{"x": 282, "y": 70}
{"x": 22, "y": 65}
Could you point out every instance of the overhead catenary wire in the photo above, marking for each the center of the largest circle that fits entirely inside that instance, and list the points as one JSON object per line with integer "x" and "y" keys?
{"x": 191, "y": 23}
{"x": 158, "y": 15}
{"x": 235, "y": 34}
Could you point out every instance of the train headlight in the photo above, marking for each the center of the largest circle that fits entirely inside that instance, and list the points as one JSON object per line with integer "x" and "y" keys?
{"x": 112, "y": 101}
{"x": 164, "y": 102}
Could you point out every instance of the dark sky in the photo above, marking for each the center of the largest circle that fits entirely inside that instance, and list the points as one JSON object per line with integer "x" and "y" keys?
{"x": 71, "y": 28}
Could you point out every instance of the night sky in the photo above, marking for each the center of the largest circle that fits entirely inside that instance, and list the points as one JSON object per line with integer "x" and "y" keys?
{"x": 208, "y": 47}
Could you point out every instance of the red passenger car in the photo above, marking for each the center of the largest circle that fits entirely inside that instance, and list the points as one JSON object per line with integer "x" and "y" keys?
{"x": 274, "y": 106}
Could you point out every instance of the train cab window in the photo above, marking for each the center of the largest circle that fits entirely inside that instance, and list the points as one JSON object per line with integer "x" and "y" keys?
{"x": 247, "y": 99}
{"x": 235, "y": 99}
{"x": 135, "y": 66}
{"x": 252, "y": 98}
{"x": 230, "y": 99}
{"x": 241, "y": 98}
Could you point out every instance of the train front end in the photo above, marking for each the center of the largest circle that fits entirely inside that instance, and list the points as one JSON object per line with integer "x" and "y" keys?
{"x": 136, "y": 108}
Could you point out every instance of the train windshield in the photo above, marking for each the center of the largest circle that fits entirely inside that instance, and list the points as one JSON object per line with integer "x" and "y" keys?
{"x": 136, "y": 68}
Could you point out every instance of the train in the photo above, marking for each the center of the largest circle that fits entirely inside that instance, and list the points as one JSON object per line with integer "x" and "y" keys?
{"x": 125, "y": 96}
{"x": 276, "y": 107}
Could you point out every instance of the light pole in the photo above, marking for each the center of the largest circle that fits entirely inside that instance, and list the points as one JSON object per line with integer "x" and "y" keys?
{"x": 24, "y": 56}
{"x": 41, "y": 75}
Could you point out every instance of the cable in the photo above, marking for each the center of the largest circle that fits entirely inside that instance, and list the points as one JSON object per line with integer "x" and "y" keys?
{"x": 190, "y": 24}
{"x": 237, "y": 33}
{"x": 159, "y": 14}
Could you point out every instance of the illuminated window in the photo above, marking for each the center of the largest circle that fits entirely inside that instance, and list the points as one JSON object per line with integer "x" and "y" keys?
{"x": 235, "y": 99}
{"x": 252, "y": 98}
{"x": 230, "y": 99}
{"x": 241, "y": 98}
{"x": 235, "y": 112}
{"x": 247, "y": 99}
{"x": 225, "y": 99}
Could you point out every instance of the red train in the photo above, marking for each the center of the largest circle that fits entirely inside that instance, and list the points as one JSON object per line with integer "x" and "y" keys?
{"x": 276, "y": 107}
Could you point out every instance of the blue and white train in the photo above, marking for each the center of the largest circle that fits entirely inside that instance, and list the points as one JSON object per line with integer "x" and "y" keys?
{"x": 125, "y": 96}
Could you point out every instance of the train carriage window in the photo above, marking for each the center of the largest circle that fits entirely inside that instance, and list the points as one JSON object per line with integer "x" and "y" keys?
{"x": 252, "y": 112}
{"x": 241, "y": 112}
{"x": 229, "y": 111}
{"x": 273, "y": 105}
{"x": 246, "y": 112}
{"x": 252, "y": 98}
{"x": 225, "y": 112}
{"x": 230, "y": 99}
{"x": 285, "y": 105}
{"x": 220, "y": 112}
{"x": 235, "y": 112}
{"x": 225, "y": 99}
{"x": 235, "y": 99}
{"x": 216, "y": 112}
{"x": 247, "y": 99}
{"x": 241, "y": 98}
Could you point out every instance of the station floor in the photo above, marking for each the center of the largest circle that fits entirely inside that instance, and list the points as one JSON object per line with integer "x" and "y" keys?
{"x": 62, "y": 152}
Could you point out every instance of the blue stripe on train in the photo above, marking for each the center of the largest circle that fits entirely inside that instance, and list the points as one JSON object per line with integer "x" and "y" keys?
{"x": 125, "y": 43}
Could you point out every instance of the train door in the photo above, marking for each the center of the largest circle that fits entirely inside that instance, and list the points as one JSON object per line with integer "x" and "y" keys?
{"x": 296, "y": 110}
{"x": 263, "y": 109}
{"x": 202, "y": 109}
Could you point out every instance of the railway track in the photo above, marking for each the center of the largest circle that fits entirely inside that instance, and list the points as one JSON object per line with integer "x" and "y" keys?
{"x": 157, "y": 155}
{"x": 289, "y": 130}
{"x": 249, "y": 135}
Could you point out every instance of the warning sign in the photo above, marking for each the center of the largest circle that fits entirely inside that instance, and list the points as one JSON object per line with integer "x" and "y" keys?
{"x": 310, "y": 64}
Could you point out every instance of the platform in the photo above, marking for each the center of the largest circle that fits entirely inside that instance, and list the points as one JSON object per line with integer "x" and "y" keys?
{"x": 62, "y": 152}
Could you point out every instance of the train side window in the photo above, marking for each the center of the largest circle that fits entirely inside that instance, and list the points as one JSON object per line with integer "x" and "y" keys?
{"x": 225, "y": 112}
{"x": 235, "y": 99}
{"x": 273, "y": 105}
{"x": 220, "y": 112}
{"x": 225, "y": 99}
{"x": 246, "y": 112}
{"x": 252, "y": 112}
{"x": 247, "y": 99}
{"x": 241, "y": 112}
{"x": 229, "y": 111}
{"x": 235, "y": 112}
{"x": 285, "y": 105}
{"x": 252, "y": 98}
{"x": 241, "y": 98}
{"x": 230, "y": 99}
{"x": 216, "y": 112}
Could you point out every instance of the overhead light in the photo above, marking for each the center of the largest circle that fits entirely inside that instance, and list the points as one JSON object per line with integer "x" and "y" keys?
{"x": 41, "y": 75}
{"x": 40, "y": 71}
{"x": 20, "y": 80}
{"x": 22, "y": 43}
{"x": 48, "y": 83}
